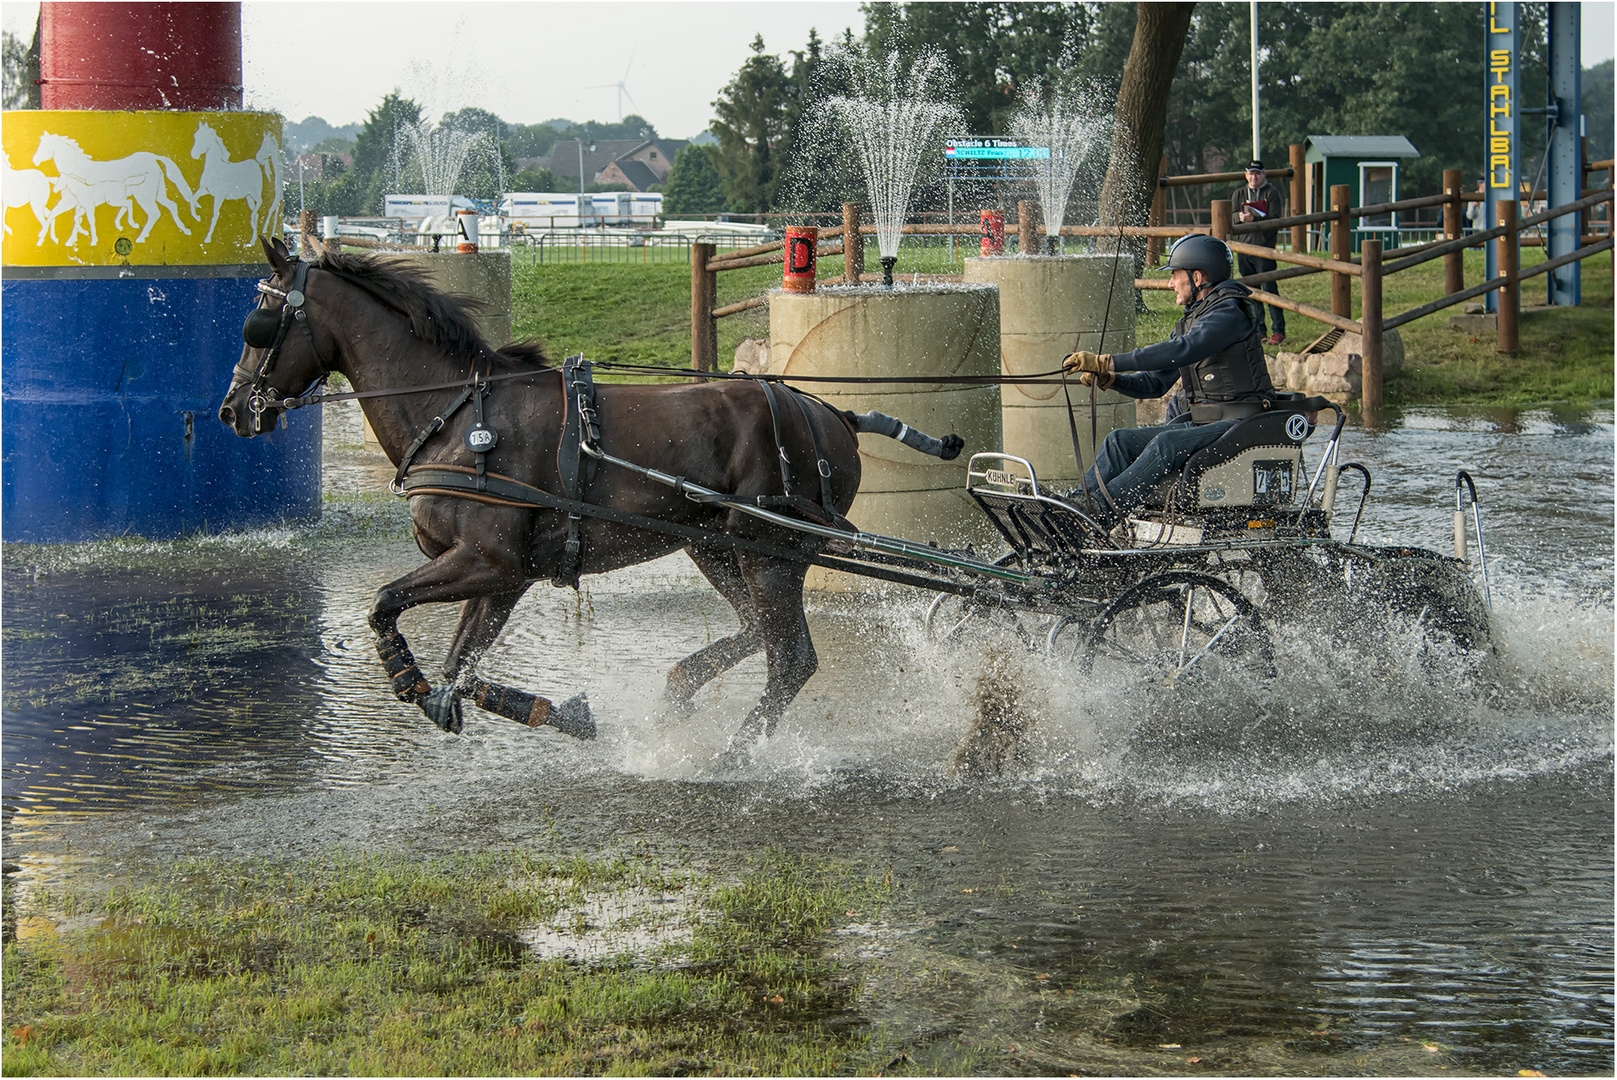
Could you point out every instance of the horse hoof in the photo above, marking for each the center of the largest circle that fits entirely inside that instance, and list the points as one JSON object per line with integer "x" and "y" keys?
{"x": 573, "y": 717}
{"x": 442, "y": 707}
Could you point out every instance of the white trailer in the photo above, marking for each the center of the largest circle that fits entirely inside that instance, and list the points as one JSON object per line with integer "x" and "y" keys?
{"x": 544, "y": 210}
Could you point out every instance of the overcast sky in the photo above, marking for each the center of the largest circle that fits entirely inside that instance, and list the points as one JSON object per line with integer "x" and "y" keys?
{"x": 528, "y": 62}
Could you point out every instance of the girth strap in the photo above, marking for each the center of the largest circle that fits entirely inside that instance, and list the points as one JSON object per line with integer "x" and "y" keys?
{"x": 827, "y": 512}
{"x": 576, "y": 470}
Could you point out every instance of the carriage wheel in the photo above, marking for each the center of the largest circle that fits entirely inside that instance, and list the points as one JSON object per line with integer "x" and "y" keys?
{"x": 1166, "y": 628}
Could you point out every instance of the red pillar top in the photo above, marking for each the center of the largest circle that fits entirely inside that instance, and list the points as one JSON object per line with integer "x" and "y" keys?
{"x": 183, "y": 56}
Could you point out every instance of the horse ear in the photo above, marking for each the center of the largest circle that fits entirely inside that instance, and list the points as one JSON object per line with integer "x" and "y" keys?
{"x": 276, "y": 252}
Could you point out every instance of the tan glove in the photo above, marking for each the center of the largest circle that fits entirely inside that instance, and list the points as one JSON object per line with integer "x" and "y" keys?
{"x": 1097, "y": 363}
{"x": 1089, "y": 378}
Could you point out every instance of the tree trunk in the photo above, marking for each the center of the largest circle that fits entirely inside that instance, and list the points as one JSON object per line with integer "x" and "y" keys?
{"x": 1142, "y": 117}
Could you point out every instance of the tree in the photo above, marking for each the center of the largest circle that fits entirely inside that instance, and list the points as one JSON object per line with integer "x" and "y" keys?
{"x": 1597, "y": 106}
{"x": 750, "y": 125}
{"x": 1142, "y": 110}
{"x": 21, "y": 69}
{"x": 533, "y": 180}
{"x": 693, "y": 185}
{"x": 378, "y": 159}
{"x": 998, "y": 48}
{"x": 530, "y": 140}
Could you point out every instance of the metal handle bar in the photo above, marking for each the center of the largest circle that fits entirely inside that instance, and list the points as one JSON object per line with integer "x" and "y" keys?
{"x": 1462, "y": 484}
{"x": 1363, "y": 495}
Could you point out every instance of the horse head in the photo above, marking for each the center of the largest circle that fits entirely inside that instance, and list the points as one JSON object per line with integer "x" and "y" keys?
{"x": 279, "y": 360}
{"x": 48, "y": 146}
{"x": 206, "y": 139}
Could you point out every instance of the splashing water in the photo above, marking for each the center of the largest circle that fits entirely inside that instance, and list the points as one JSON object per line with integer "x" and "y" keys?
{"x": 890, "y": 119}
{"x": 1072, "y": 122}
{"x": 442, "y": 153}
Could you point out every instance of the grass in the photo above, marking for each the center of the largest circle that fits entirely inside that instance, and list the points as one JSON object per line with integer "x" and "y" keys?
{"x": 641, "y": 314}
{"x": 391, "y": 966}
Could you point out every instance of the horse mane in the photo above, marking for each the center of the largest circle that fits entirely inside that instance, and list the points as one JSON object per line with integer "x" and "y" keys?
{"x": 441, "y": 320}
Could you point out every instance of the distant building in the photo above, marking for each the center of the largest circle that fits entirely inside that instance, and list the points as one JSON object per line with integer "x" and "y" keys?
{"x": 634, "y": 163}
{"x": 314, "y": 167}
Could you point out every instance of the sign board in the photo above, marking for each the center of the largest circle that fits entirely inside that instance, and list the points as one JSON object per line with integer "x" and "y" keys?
{"x": 990, "y": 157}
{"x": 1504, "y": 124}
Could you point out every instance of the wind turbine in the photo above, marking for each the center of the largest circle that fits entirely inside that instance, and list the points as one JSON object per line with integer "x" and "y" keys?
{"x": 623, "y": 90}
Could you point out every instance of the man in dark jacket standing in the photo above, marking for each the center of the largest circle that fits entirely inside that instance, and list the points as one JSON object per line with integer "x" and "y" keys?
{"x": 1215, "y": 351}
{"x": 1261, "y": 201}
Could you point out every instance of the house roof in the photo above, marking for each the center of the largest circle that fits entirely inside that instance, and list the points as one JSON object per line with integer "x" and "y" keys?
{"x": 1361, "y": 146}
{"x": 637, "y": 173}
{"x": 563, "y": 157}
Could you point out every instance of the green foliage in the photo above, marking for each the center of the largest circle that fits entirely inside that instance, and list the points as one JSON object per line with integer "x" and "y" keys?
{"x": 750, "y": 124}
{"x": 1597, "y": 107}
{"x": 18, "y": 90}
{"x": 530, "y": 140}
{"x": 374, "y": 158}
{"x": 998, "y": 49}
{"x": 533, "y": 180}
{"x": 693, "y": 184}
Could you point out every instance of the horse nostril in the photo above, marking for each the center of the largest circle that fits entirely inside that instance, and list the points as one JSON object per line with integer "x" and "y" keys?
{"x": 227, "y": 415}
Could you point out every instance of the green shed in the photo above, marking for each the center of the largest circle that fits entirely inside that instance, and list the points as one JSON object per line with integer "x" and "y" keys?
{"x": 1368, "y": 165}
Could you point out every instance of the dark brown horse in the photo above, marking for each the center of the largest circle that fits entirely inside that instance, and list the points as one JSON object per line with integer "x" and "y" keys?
{"x": 385, "y": 329}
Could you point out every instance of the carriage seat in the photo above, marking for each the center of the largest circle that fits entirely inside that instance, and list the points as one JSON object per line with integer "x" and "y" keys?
{"x": 1258, "y": 462}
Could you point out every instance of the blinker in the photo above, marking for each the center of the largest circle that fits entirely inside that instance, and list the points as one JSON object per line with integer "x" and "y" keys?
{"x": 261, "y": 328}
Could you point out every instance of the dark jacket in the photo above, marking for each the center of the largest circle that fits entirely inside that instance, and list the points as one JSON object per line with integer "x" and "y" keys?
{"x": 1273, "y": 203}
{"x": 1216, "y": 348}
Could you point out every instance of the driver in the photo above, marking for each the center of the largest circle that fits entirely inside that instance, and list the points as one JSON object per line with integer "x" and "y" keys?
{"x": 1215, "y": 351}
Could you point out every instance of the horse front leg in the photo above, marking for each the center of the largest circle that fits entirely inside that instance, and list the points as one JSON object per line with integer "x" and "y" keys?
{"x": 459, "y": 573}
{"x": 776, "y": 588}
{"x": 481, "y": 620}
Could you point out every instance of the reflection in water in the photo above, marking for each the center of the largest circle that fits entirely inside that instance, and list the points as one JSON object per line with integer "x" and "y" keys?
{"x": 1384, "y": 848}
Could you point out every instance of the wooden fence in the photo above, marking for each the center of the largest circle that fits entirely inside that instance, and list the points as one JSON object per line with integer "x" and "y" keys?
{"x": 1370, "y": 267}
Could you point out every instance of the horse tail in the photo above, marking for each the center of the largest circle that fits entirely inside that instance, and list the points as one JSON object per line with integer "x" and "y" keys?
{"x": 177, "y": 178}
{"x": 947, "y": 448}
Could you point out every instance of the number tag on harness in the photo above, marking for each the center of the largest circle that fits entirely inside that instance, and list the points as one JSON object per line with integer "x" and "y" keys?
{"x": 480, "y": 438}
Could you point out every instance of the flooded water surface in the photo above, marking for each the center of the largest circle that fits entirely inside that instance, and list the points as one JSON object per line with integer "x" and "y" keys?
{"x": 1385, "y": 859}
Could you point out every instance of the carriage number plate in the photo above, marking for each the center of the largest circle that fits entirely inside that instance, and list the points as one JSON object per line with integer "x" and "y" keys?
{"x": 1007, "y": 479}
{"x": 1271, "y": 483}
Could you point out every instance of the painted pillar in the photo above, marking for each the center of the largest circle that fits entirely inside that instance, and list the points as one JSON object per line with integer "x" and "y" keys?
{"x": 127, "y": 274}
{"x": 1503, "y": 111}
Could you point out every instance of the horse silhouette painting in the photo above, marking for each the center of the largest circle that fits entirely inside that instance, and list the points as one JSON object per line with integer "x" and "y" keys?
{"x": 33, "y": 189}
{"x": 86, "y": 185}
{"x": 226, "y": 180}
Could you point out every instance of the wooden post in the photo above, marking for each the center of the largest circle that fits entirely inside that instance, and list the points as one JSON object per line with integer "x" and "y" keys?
{"x": 1453, "y": 228}
{"x": 1223, "y": 211}
{"x": 1370, "y": 320}
{"x": 1341, "y": 248}
{"x": 309, "y": 230}
{"x": 1159, "y": 215}
{"x": 853, "y": 244}
{"x": 1027, "y": 236}
{"x": 1510, "y": 293}
{"x": 1299, "y": 197}
{"x": 704, "y": 294}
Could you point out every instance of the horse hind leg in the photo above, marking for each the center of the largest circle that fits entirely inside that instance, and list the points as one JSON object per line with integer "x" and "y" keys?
{"x": 688, "y": 676}
{"x": 776, "y": 588}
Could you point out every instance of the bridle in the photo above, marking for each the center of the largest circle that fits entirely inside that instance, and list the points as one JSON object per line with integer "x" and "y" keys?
{"x": 265, "y": 330}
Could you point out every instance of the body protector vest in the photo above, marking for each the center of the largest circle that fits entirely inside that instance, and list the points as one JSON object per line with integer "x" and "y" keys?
{"x": 1237, "y": 372}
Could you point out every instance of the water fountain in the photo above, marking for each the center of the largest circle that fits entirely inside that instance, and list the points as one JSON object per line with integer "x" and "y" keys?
{"x": 441, "y": 154}
{"x": 889, "y": 120}
{"x": 1055, "y": 304}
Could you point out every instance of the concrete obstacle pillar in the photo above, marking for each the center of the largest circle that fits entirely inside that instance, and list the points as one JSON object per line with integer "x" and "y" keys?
{"x": 906, "y": 331}
{"x": 1050, "y": 307}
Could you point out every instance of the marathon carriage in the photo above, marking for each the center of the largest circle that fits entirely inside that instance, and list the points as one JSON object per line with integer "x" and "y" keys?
{"x": 518, "y": 471}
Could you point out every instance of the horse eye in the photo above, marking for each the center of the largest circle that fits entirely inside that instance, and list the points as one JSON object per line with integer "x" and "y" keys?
{"x": 261, "y": 327}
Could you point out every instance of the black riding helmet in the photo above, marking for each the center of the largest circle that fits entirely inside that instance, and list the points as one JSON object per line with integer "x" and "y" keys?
{"x": 1205, "y": 253}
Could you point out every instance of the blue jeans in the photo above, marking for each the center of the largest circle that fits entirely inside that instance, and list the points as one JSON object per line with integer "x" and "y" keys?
{"x": 1133, "y": 461}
